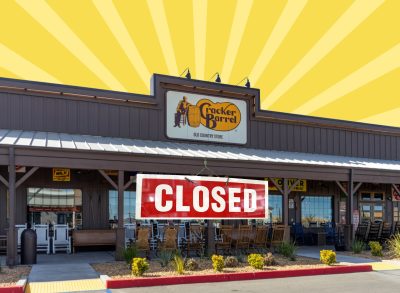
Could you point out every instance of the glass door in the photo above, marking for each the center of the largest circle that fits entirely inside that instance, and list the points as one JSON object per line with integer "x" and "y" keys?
{"x": 372, "y": 206}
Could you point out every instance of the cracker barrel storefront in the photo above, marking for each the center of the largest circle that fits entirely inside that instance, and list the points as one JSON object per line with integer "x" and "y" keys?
{"x": 70, "y": 159}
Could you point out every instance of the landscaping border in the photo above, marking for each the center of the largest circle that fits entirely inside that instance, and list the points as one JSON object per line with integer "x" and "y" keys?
{"x": 18, "y": 288}
{"x": 176, "y": 280}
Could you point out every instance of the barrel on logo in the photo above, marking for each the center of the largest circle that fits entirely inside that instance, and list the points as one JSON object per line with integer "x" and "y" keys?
{"x": 193, "y": 115}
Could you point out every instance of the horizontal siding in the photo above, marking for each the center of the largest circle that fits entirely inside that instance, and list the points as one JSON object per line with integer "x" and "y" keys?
{"x": 18, "y": 111}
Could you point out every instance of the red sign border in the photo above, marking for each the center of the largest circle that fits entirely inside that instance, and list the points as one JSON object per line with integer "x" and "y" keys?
{"x": 140, "y": 177}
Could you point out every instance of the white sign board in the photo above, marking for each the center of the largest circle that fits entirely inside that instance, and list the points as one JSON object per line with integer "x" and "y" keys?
{"x": 206, "y": 118}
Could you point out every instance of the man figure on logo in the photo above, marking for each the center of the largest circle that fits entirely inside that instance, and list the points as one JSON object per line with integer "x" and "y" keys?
{"x": 181, "y": 110}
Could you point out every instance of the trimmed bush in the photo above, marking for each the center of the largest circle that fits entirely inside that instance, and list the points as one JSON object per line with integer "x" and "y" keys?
{"x": 288, "y": 249}
{"x": 256, "y": 261}
{"x": 231, "y": 262}
{"x": 327, "y": 257}
{"x": 376, "y": 248}
{"x": 269, "y": 260}
{"x": 393, "y": 245}
{"x": 139, "y": 266}
{"x": 358, "y": 246}
{"x": 218, "y": 262}
{"x": 191, "y": 264}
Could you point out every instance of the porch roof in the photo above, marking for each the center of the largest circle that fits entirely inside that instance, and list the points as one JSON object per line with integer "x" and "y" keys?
{"x": 63, "y": 141}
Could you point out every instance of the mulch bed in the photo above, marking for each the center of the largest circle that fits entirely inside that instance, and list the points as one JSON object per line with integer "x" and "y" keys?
{"x": 9, "y": 277}
{"x": 120, "y": 270}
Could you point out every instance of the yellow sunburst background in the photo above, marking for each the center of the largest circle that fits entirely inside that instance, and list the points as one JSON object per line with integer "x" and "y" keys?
{"x": 329, "y": 58}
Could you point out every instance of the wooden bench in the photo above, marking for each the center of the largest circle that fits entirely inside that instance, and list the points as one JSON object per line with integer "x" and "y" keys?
{"x": 3, "y": 243}
{"x": 82, "y": 238}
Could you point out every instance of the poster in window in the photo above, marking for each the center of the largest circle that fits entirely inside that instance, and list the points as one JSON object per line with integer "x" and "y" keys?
{"x": 395, "y": 194}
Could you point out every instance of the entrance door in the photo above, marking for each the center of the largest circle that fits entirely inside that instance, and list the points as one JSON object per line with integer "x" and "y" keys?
{"x": 372, "y": 206}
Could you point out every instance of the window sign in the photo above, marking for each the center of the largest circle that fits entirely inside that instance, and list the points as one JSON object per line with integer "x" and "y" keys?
{"x": 197, "y": 197}
{"x": 301, "y": 186}
{"x": 206, "y": 118}
{"x": 61, "y": 174}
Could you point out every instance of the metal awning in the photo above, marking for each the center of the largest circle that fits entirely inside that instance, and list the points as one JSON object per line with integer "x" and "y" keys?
{"x": 63, "y": 141}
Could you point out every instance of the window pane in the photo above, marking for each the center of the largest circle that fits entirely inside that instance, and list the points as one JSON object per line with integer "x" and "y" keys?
{"x": 365, "y": 196}
{"x": 129, "y": 206}
{"x": 316, "y": 210}
{"x": 275, "y": 208}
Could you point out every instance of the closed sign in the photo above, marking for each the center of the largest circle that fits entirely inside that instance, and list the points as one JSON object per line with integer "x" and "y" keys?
{"x": 197, "y": 197}
{"x": 206, "y": 118}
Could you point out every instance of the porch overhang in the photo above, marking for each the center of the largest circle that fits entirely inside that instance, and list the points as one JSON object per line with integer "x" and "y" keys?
{"x": 47, "y": 149}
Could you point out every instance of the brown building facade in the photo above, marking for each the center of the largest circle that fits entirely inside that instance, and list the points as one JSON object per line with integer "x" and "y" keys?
{"x": 320, "y": 170}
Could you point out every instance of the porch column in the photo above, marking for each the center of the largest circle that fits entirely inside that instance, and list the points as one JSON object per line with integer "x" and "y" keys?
{"x": 12, "y": 238}
{"x": 349, "y": 217}
{"x": 120, "y": 244}
{"x": 286, "y": 192}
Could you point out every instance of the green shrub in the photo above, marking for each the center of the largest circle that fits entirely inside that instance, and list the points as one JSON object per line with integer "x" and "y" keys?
{"x": 179, "y": 264}
{"x": 376, "y": 248}
{"x": 165, "y": 257}
{"x": 139, "y": 266}
{"x": 256, "y": 261}
{"x": 327, "y": 257}
{"x": 231, "y": 262}
{"x": 218, "y": 262}
{"x": 358, "y": 246}
{"x": 393, "y": 245}
{"x": 288, "y": 249}
{"x": 269, "y": 260}
{"x": 191, "y": 264}
{"x": 129, "y": 254}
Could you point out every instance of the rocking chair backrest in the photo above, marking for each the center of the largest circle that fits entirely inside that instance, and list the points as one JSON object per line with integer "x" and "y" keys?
{"x": 226, "y": 233}
{"x": 195, "y": 233}
{"x": 170, "y": 237}
{"x": 261, "y": 235}
{"x": 143, "y": 238}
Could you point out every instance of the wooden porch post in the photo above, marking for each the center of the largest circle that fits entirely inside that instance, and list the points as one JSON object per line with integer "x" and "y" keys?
{"x": 286, "y": 192}
{"x": 12, "y": 238}
{"x": 120, "y": 245}
{"x": 349, "y": 217}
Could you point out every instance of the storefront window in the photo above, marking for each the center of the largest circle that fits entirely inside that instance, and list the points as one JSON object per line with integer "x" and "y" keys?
{"x": 54, "y": 206}
{"x": 129, "y": 206}
{"x": 316, "y": 210}
{"x": 275, "y": 208}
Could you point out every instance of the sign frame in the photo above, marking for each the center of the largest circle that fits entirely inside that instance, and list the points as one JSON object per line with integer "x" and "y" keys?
{"x": 140, "y": 177}
{"x": 245, "y": 117}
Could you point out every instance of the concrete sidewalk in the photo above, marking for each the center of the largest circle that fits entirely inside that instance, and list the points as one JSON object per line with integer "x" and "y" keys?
{"x": 67, "y": 273}
{"x": 313, "y": 252}
{"x": 383, "y": 265}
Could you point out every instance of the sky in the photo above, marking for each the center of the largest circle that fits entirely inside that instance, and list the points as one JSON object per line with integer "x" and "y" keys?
{"x": 329, "y": 58}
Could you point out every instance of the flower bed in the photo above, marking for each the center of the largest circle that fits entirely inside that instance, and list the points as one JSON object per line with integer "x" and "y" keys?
{"x": 120, "y": 270}
{"x": 10, "y": 277}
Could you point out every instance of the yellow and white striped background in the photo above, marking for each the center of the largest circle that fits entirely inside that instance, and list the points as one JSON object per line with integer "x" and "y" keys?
{"x": 329, "y": 58}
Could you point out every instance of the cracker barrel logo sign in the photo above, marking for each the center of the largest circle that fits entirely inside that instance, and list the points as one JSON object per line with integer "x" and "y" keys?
{"x": 199, "y": 117}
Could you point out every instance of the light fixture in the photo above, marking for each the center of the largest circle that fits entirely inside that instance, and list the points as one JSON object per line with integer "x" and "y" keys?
{"x": 247, "y": 84}
{"x": 188, "y": 75}
{"x": 218, "y": 79}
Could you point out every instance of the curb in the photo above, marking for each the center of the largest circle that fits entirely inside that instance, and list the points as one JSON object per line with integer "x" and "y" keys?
{"x": 18, "y": 288}
{"x": 161, "y": 281}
